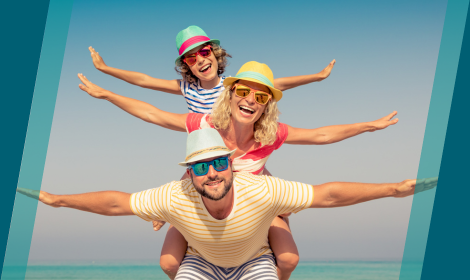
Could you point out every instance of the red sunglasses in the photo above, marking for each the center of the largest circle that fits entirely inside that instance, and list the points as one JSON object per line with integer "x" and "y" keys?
{"x": 192, "y": 58}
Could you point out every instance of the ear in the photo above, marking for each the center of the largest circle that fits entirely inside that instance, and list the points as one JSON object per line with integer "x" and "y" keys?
{"x": 188, "y": 171}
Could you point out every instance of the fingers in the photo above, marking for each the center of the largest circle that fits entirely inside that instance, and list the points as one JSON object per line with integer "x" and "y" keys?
{"x": 84, "y": 79}
{"x": 426, "y": 184}
{"x": 332, "y": 63}
{"x": 92, "y": 50}
{"x": 157, "y": 225}
{"x": 31, "y": 193}
{"x": 390, "y": 116}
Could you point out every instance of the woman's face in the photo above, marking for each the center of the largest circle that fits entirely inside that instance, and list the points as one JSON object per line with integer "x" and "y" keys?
{"x": 247, "y": 110}
{"x": 205, "y": 68}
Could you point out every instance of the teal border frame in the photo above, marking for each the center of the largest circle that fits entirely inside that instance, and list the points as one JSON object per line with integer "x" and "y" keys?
{"x": 434, "y": 138}
{"x": 37, "y": 137}
{"x": 433, "y": 255}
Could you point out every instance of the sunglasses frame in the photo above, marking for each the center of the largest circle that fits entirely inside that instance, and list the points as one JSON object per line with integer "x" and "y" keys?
{"x": 255, "y": 91}
{"x": 210, "y": 163}
{"x": 197, "y": 53}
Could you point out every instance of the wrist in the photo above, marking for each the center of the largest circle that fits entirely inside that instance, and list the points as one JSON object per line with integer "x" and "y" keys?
{"x": 103, "y": 68}
{"x": 369, "y": 127}
{"x": 56, "y": 200}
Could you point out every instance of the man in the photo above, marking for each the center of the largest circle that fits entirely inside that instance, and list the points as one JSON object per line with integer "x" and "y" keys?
{"x": 224, "y": 217}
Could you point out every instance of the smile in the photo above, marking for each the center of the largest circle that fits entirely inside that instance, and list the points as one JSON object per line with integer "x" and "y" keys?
{"x": 247, "y": 110}
{"x": 206, "y": 68}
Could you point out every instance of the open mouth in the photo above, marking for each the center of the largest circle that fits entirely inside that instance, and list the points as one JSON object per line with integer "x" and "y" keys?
{"x": 206, "y": 68}
{"x": 213, "y": 183}
{"x": 246, "y": 110}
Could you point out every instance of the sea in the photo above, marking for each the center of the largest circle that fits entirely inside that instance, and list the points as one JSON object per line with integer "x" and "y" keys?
{"x": 318, "y": 270}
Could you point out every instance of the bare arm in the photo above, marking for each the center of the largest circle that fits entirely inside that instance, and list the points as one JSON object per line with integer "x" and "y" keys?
{"x": 135, "y": 107}
{"x": 108, "y": 203}
{"x": 339, "y": 194}
{"x": 135, "y": 78}
{"x": 336, "y": 133}
{"x": 295, "y": 81}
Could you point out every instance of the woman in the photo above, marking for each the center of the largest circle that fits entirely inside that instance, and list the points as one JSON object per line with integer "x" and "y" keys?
{"x": 246, "y": 117}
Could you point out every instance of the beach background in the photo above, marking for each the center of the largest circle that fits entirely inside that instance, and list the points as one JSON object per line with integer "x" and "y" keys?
{"x": 386, "y": 57}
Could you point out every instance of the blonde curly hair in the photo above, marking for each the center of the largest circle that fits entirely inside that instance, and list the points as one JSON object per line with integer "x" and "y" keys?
{"x": 266, "y": 126}
{"x": 219, "y": 53}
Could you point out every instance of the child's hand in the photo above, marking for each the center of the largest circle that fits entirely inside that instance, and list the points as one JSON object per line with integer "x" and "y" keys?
{"x": 157, "y": 225}
{"x": 92, "y": 89}
{"x": 383, "y": 122}
{"x": 97, "y": 59}
{"x": 326, "y": 72}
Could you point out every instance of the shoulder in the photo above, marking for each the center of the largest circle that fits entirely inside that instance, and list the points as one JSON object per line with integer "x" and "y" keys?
{"x": 196, "y": 121}
{"x": 245, "y": 179}
{"x": 281, "y": 135}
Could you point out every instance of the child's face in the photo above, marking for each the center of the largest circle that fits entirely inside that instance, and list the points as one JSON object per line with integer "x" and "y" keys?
{"x": 247, "y": 110}
{"x": 205, "y": 68}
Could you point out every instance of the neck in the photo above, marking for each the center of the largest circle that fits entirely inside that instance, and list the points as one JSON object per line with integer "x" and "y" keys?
{"x": 220, "y": 209}
{"x": 241, "y": 134}
{"x": 210, "y": 84}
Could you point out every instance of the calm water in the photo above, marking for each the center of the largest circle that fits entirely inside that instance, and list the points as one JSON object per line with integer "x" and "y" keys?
{"x": 120, "y": 271}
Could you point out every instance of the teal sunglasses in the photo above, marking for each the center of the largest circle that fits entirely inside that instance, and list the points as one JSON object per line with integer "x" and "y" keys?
{"x": 202, "y": 168}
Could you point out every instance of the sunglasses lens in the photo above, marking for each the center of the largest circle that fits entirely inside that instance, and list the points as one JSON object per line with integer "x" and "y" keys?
{"x": 201, "y": 168}
{"x": 242, "y": 92}
{"x": 205, "y": 52}
{"x": 261, "y": 98}
{"x": 191, "y": 60}
{"x": 220, "y": 164}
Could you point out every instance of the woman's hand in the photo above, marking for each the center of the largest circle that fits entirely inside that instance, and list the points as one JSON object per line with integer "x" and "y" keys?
{"x": 383, "y": 122}
{"x": 92, "y": 89}
{"x": 326, "y": 72}
{"x": 97, "y": 59}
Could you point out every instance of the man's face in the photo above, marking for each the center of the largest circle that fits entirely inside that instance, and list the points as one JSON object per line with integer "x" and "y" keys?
{"x": 215, "y": 184}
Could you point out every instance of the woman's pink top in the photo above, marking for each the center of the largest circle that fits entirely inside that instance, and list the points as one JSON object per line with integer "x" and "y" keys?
{"x": 252, "y": 161}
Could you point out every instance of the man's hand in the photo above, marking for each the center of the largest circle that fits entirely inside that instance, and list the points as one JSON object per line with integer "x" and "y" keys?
{"x": 92, "y": 89}
{"x": 97, "y": 59}
{"x": 410, "y": 187}
{"x": 157, "y": 225}
{"x": 383, "y": 122}
{"x": 44, "y": 197}
{"x": 323, "y": 74}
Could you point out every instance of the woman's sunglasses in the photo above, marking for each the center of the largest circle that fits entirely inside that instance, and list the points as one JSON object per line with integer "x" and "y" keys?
{"x": 192, "y": 58}
{"x": 243, "y": 91}
{"x": 202, "y": 168}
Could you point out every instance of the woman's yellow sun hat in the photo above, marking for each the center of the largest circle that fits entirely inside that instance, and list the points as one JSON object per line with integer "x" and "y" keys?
{"x": 255, "y": 72}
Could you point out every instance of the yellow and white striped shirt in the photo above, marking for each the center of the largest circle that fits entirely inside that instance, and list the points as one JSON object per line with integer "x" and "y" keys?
{"x": 240, "y": 237}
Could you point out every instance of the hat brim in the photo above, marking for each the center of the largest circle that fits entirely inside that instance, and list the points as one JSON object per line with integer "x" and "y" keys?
{"x": 178, "y": 59}
{"x": 277, "y": 94}
{"x": 206, "y": 156}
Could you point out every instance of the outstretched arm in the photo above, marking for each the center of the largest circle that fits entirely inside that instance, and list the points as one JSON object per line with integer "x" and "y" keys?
{"x": 135, "y": 78}
{"x": 108, "y": 203}
{"x": 295, "y": 81}
{"x": 336, "y": 133}
{"x": 339, "y": 194}
{"x": 135, "y": 107}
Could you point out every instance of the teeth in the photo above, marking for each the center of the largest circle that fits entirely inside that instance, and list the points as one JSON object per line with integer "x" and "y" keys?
{"x": 205, "y": 68}
{"x": 246, "y": 108}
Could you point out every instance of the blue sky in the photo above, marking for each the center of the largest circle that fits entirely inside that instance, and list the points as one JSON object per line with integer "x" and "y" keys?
{"x": 386, "y": 56}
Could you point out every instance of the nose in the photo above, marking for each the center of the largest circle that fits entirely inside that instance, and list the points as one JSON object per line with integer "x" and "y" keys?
{"x": 250, "y": 99}
{"x": 200, "y": 59}
{"x": 212, "y": 173}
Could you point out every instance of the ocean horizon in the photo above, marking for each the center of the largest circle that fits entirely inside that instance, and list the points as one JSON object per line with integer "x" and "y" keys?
{"x": 120, "y": 270}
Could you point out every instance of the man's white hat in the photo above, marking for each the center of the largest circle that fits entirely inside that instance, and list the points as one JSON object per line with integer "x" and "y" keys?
{"x": 205, "y": 143}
